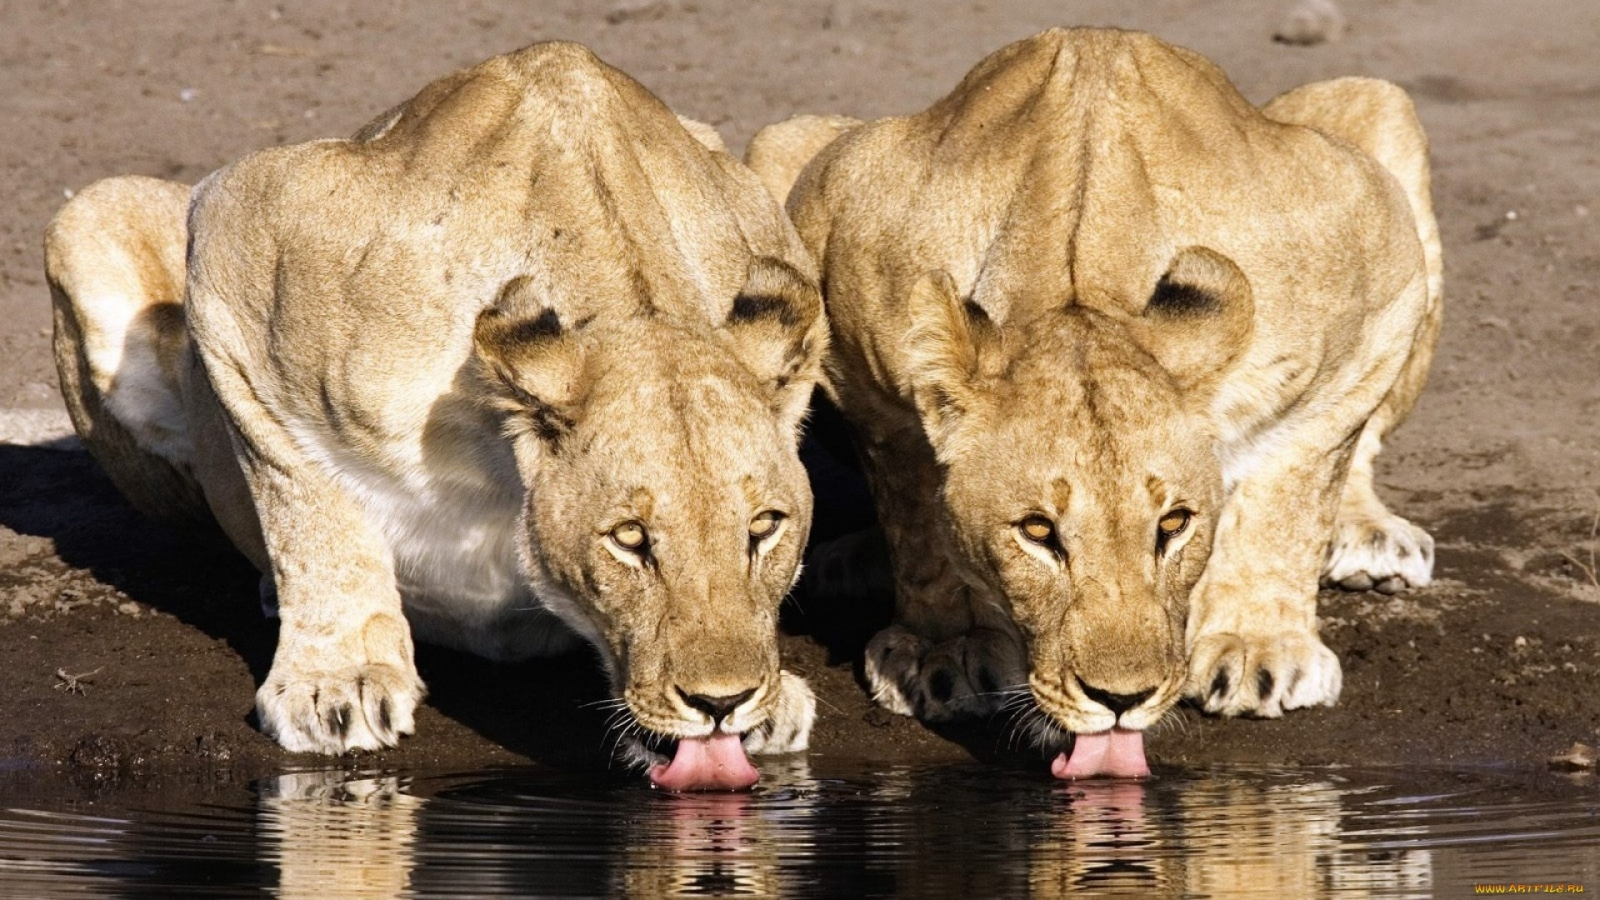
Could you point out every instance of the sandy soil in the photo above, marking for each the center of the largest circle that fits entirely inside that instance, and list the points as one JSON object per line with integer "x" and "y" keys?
{"x": 1496, "y": 663}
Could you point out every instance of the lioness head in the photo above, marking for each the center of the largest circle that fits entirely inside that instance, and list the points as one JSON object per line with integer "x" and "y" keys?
{"x": 1080, "y": 476}
{"x": 666, "y": 506}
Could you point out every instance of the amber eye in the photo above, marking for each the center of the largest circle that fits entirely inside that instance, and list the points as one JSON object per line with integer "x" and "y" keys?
{"x": 1172, "y": 524}
{"x": 631, "y": 536}
{"x": 1038, "y": 529}
{"x": 765, "y": 524}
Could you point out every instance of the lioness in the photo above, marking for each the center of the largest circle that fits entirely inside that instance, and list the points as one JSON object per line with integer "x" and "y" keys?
{"x": 524, "y": 360}
{"x": 1120, "y": 348}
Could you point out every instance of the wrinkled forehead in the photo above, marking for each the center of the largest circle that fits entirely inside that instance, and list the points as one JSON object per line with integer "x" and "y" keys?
{"x": 1086, "y": 372}
{"x": 685, "y": 416}
{"x": 1114, "y": 427}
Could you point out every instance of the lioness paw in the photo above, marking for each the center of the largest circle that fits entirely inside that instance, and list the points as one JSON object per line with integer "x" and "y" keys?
{"x": 966, "y": 676}
{"x": 1384, "y": 553}
{"x": 1262, "y": 675}
{"x": 341, "y": 709}
{"x": 788, "y": 729}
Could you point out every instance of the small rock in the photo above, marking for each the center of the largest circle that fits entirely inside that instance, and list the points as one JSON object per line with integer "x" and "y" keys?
{"x": 836, "y": 16}
{"x": 638, "y": 11}
{"x": 1310, "y": 23}
{"x": 1520, "y": 641}
{"x": 1577, "y": 757}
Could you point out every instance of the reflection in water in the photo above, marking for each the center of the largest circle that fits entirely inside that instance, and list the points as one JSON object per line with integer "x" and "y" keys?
{"x": 334, "y": 836}
{"x": 964, "y": 830}
{"x": 703, "y": 845}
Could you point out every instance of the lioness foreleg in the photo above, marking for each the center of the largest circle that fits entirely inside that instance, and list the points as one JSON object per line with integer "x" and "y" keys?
{"x": 949, "y": 653}
{"x": 1372, "y": 547}
{"x": 343, "y": 677}
{"x": 1252, "y": 632}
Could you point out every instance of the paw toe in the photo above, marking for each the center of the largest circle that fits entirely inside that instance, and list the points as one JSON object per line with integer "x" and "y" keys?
{"x": 1387, "y": 554}
{"x": 788, "y": 728}
{"x": 336, "y": 712}
{"x": 964, "y": 676}
{"x": 1262, "y": 676}
{"x": 893, "y": 666}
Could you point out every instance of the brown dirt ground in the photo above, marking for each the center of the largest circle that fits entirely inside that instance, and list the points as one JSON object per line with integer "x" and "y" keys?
{"x": 1495, "y": 664}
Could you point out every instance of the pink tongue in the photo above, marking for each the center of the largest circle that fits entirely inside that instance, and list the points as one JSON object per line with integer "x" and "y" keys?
{"x": 1118, "y": 753}
{"x": 706, "y": 764}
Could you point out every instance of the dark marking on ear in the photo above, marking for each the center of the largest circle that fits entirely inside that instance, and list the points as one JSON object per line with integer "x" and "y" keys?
{"x": 499, "y": 343}
{"x": 1177, "y": 299}
{"x": 975, "y": 312}
{"x": 501, "y": 337}
{"x": 752, "y": 308}
{"x": 546, "y": 325}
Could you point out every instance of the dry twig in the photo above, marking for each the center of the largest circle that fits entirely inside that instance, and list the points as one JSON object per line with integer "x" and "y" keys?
{"x": 1589, "y": 569}
{"x": 75, "y": 684}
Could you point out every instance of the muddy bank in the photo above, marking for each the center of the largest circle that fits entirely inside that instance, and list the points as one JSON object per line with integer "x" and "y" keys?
{"x": 133, "y": 649}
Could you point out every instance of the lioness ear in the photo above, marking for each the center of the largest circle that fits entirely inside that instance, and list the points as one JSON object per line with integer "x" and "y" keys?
{"x": 779, "y": 332}
{"x": 1199, "y": 317}
{"x": 945, "y": 350}
{"x": 530, "y": 362}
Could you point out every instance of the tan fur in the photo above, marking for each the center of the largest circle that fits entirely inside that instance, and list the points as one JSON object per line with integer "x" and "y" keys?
{"x": 428, "y": 373}
{"x": 778, "y": 153}
{"x": 1096, "y": 285}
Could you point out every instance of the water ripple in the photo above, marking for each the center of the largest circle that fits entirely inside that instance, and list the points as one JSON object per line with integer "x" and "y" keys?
{"x": 949, "y": 831}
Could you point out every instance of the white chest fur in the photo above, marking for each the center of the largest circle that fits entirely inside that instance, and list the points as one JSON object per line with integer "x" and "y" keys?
{"x": 449, "y": 508}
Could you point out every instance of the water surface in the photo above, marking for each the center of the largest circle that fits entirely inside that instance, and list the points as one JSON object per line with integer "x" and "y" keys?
{"x": 815, "y": 830}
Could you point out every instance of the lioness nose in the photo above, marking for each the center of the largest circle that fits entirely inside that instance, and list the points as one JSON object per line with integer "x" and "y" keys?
{"x": 717, "y": 708}
{"x": 1117, "y": 703}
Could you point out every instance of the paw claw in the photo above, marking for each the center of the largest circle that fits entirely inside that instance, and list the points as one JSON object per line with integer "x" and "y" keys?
{"x": 1219, "y": 686}
{"x": 1263, "y": 682}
